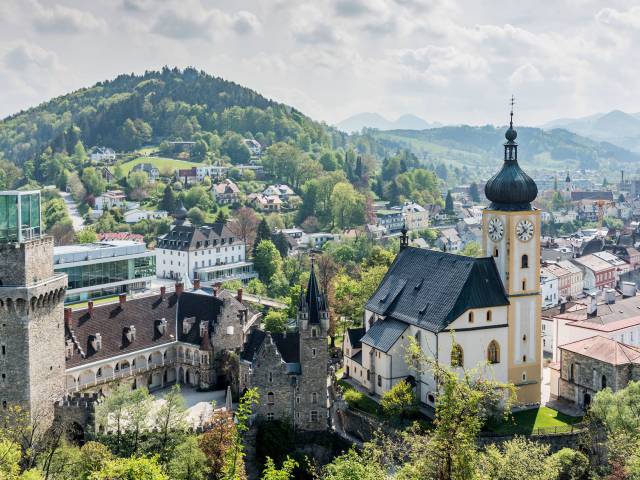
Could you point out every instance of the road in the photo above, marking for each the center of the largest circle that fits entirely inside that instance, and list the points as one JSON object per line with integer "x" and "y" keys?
{"x": 72, "y": 209}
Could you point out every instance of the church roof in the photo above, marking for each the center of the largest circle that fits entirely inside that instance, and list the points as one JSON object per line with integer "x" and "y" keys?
{"x": 355, "y": 335}
{"x": 313, "y": 299}
{"x": 383, "y": 334}
{"x": 431, "y": 289}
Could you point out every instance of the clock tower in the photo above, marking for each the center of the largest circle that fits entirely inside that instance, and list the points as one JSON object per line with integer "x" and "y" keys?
{"x": 511, "y": 235}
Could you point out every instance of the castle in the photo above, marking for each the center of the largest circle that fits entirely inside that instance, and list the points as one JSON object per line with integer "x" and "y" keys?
{"x": 53, "y": 356}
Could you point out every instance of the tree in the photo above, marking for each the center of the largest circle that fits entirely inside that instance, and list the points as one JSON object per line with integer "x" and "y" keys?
{"x": 55, "y": 211}
{"x": 347, "y": 206}
{"x": 138, "y": 183}
{"x": 281, "y": 243}
{"x": 244, "y": 225}
{"x": 570, "y": 464}
{"x": 197, "y": 196}
{"x": 399, "y": 401}
{"x": 188, "y": 461}
{"x": 270, "y": 471}
{"x": 221, "y": 217}
{"x": 62, "y": 232}
{"x": 168, "y": 202}
{"x": 473, "y": 192}
{"x": 275, "y": 321}
{"x": 200, "y": 151}
{"x": 171, "y": 420}
{"x": 263, "y": 233}
{"x": 472, "y": 249}
{"x": 267, "y": 260}
{"x": 518, "y": 458}
{"x": 86, "y": 235}
{"x": 217, "y": 441}
{"x": 196, "y": 216}
{"x": 233, "y": 466}
{"x": 233, "y": 147}
{"x": 448, "y": 203}
{"x": 356, "y": 466}
{"x": 256, "y": 287}
{"x": 80, "y": 156}
{"x": 93, "y": 181}
{"x": 138, "y": 468}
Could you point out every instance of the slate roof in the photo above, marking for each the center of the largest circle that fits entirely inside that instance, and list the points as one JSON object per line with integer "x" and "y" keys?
{"x": 203, "y": 307}
{"x": 188, "y": 237}
{"x": 287, "y": 344}
{"x": 431, "y": 289}
{"x": 383, "y": 334}
{"x": 355, "y": 335}
{"x": 110, "y": 320}
{"x": 313, "y": 300}
{"x": 606, "y": 195}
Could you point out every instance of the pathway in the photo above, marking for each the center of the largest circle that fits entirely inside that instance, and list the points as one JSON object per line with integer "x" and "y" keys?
{"x": 199, "y": 406}
{"x": 72, "y": 209}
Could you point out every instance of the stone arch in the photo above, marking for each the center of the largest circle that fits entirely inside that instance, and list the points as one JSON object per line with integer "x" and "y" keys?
{"x": 34, "y": 301}
{"x": 40, "y": 300}
{"x": 181, "y": 375}
{"x": 21, "y": 305}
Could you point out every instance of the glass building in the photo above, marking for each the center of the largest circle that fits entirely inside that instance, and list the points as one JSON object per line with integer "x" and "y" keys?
{"x": 19, "y": 215}
{"x": 104, "y": 268}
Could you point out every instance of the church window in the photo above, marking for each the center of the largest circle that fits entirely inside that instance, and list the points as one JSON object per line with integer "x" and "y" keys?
{"x": 525, "y": 261}
{"x": 314, "y": 397}
{"x": 379, "y": 381}
{"x": 524, "y": 337}
{"x": 270, "y": 398}
{"x": 457, "y": 356}
{"x": 470, "y": 317}
{"x": 314, "y": 415}
{"x": 270, "y": 416}
{"x": 524, "y": 284}
{"x": 314, "y": 333}
{"x": 495, "y": 252}
{"x": 298, "y": 400}
{"x": 493, "y": 352}
{"x": 603, "y": 381}
{"x": 313, "y": 352}
{"x": 270, "y": 377}
{"x": 99, "y": 372}
{"x": 524, "y": 376}
{"x": 524, "y": 359}
{"x": 489, "y": 315}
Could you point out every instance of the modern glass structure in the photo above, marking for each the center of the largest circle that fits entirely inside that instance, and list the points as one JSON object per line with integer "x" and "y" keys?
{"x": 104, "y": 268}
{"x": 19, "y": 215}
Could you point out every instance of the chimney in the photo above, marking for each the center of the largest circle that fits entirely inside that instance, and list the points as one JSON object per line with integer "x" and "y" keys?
{"x": 179, "y": 288}
{"x": 90, "y": 307}
{"x": 628, "y": 289}
{"x": 196, "y": 284}
{"x": 123, "y": 298}
{"x": 592, "y": 306}
{"x": 68, "y": 318}
{"x": 163, "y": 291}
{"x": 239, "y": 295}
{"x": 610, "y": 296}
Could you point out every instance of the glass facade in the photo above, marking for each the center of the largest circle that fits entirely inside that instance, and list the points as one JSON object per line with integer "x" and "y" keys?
{"x": 19, "y": 216}
{"x": 109, "y": 272}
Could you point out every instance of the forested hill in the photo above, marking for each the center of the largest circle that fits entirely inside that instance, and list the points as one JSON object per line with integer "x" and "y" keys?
{"x": 480, "y": 146}
{"x": 134, "y": 110}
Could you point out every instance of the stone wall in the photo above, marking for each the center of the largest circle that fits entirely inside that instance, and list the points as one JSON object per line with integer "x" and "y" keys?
{"x": 312, "y": 390}
{"x": 228, "y": 317}
{"x": 26, "y": 263}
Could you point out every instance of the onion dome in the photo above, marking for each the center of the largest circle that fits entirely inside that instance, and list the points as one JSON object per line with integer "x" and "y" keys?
{"x": 511, "y": 189}
{"x": 181, "y": 212}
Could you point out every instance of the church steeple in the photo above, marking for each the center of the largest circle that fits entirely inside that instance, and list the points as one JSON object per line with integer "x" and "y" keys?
{"x": 312, "y": 302}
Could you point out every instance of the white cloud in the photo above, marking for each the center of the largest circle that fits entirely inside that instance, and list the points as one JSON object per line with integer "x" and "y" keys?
{"x": 244, "y": 23}
{"x": 62, "y": 19}
{"x": 524, "y": 74}
{"x": 613, "y": 17}
{"x": 26, "y": 56}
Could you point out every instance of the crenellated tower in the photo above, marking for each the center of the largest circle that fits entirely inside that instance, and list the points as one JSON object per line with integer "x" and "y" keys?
{"x": 32, "y": 348}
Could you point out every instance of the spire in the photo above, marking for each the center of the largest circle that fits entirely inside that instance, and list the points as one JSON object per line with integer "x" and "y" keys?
{"x": 314, "y": 299}
{"x": 404, "y": 238}
{"x": 511, "y": 147}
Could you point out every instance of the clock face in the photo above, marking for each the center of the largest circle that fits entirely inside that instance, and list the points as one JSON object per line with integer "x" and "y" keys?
{"x": 524, "y": 230}
{"x": 496, "y": 229}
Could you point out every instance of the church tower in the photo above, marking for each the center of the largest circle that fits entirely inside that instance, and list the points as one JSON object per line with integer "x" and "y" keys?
{"x": 568, "y": 188}
{"x": 511, "y": 235}
{"x": 313, "y": 327}
{"x": 32, "y": 348}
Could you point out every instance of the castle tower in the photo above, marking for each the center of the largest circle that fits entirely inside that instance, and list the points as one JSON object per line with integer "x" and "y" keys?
{"x": 32, "y": 348}
{"x": 313, "y": 327}
{"x": 511, "y": 235}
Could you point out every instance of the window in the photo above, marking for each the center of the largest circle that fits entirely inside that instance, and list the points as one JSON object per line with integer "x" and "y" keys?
{"x": 524, "y": 337}
{"x": 4, "y": 350}
{"x": 493, "y": 352}
{"x": 489, "y": 315}
{"x": 313, "y": 352}
{"x": 524, "y": 359}
{"x": 270, "y": 377}
{"x": 314, "y": 415}
{"x": 368, "y": 375}
{"x": 495, "y": 252}
{"x": 603, "y": 381}
{"x": 270, "y": 416}
{"x": 270, "y": 398}
{"x": 314, "y": 397}
{"x": 572, "y": 371}
{"x": 470, "y": 317}
{"x": 298, "y": 400}
{"x": 524, "y": 284}
{"x": 379, "y": 381}
{"x": 314, "y": 333}
{"x": 524, "y": 376}
{"x": 525, "y": 261}
{"x": 457, "y": 356}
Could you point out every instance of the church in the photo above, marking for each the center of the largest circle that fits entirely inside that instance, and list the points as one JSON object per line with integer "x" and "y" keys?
{"x": 463, "y": 312}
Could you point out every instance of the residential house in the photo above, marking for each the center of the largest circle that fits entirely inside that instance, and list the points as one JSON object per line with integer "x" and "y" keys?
{"x": 211, "y": 171}
{"x": 102, "y": 155}
{"x": 620, "y": 265}
{"x": 110, "y": 199}
{"x": 415, "y": 216}
{"x": 226, "y": 193}
{"x": 279, "y": 190}
{"x": 576, "y": 284}
{"x": 548, "y": 288}
{"x": 391, "y": 220}
{"x": 107, "y": 176}
{"x": 137, "y": 214}
{"x": 449, "y": 241}
{"x": 598, "y": 274}
{"x": 151, "y": 170}
{"x": 564, "y": 279}
{"x": 265, "y": 203}
{"x": 254, "y": 147}
{"x": 188, "y": 176}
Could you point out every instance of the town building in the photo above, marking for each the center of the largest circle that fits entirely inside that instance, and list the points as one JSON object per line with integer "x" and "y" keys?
{"x": 591, "y": 365}
{"x": 564, "y": 281}
{"x": 415, "y": 216}
{"x": 188, "y": 176}
{"x": 449, "y": 240}
{"x": 31, "y": 302}
{"x": 110, "y": 199}
{"x": 103, "y": 269}
{"x": 265, "y": 203}
{"x": 493, "y": 303}
{"x": 279, "y": 190}
{"x": 211, "y": 253}
{"x": 549, "y": 287}
{"x": 137, "y": 214}
{"x": 391, "y": 220}
{"x": 254, "y": 147}
{"x": 102, "y": 155}
{"x": 226, "y": 192}
{"x": 576, "y": 283}
{"x": 598, "y": 274}
{"x": 290, "y": 369}
{"x": 211, "y": 171}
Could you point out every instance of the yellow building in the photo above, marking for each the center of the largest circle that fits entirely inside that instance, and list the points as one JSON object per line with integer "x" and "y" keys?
{"x": 511, "y": 235}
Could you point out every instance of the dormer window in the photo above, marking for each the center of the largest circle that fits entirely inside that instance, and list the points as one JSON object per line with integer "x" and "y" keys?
{"x": 187, "y": 323}
{"x": 162, "y": 326}
{"x": 203, "y": 328}
{"x": 130, "y": 333}
{"x": 96, "y": 342}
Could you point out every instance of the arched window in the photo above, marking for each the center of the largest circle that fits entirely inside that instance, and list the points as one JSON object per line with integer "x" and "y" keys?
{"x": 457, "y": 356}
{"x": 495, "y": 252}
{"x": 524, "y": 284}
{"x": 270, "y": 377}
{"x": 524, "y": 359}
{"x": 470, "y": 317}
{"x": 270, "y": 398}
{"x": 525, "y": 261}
{"x": 524, "y": 337}
{"x": 493, "y": 352}
{"x": 314, "y": 397}
{"x": 603, "y": 381}
{"x": 572, "y": 371}
{"x": 489, "y": 315}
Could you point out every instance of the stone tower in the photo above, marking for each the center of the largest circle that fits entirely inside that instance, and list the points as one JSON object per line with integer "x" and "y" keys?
{"x": 313, "y": 327}
{"x": 32, "y": 348}
{"x": 511, "y": 235}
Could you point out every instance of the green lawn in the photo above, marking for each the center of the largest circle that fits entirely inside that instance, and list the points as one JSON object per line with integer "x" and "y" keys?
{"x": 359, "y": 400}
{"x": 96, "y": 301}
{"x": 160, "y": 162}
{"x": 527, "y": 421}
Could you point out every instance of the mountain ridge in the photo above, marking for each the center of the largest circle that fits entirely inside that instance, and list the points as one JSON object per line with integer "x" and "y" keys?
{"x": 407, "y": 121}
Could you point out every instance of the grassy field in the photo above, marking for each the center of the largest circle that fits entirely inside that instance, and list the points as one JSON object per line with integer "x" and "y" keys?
{"x": 527, "y": 421}
{"x": 160, "y": 162}
{"x": 97, "y": 301}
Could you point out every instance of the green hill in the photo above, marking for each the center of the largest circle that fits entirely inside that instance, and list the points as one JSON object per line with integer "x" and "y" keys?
{"x": 135, "y": 110}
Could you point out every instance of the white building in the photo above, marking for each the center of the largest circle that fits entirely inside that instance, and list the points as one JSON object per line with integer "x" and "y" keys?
{"x": 110, "y": 199}
{"x": 279, "y": 190}
{"x": 211, "y": 171}
{"x": 211, "y": 253}
{"x": 102, "y": 155}
{"x": 415, "y": 216}
{"x": 548, "y": 288}
{"x": 254, "y": 147}
{"x": 137, "y": 214}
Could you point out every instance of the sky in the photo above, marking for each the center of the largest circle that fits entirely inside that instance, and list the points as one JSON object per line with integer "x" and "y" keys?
{"x": 450, "y": 61}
